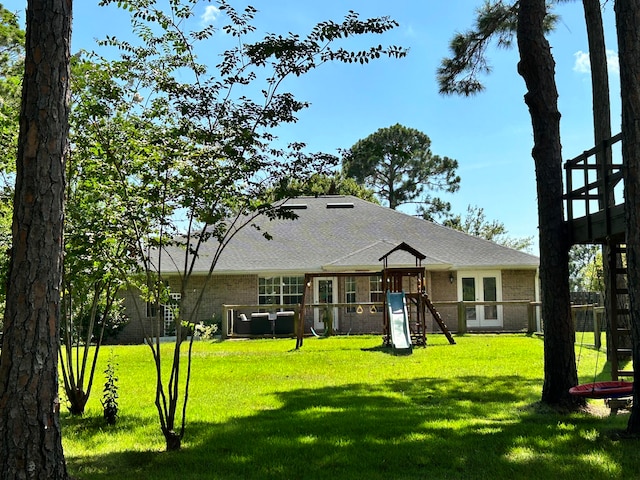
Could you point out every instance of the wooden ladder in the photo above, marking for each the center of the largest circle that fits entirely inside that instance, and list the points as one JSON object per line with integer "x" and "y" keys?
{"x": 438, "y": 318}
{"x": 619, "y": 320}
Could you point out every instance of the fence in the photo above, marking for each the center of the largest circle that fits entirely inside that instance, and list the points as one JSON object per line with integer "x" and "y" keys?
{"x": 513, "y": 317}
{"x": 366, "y": 317}
{"x": 587, "y": 318}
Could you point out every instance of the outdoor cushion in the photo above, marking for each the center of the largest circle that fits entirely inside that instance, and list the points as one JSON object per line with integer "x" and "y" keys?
{"x": 284, "y": 324}
{"x": 242, "y": 325}
{"x": 260, "y": 324}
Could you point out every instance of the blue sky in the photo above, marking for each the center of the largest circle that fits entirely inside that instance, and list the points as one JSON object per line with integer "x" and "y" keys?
{"x": 489, "y": 134}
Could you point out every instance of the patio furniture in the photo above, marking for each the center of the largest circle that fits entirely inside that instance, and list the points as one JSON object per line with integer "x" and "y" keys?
{"x": 284, "y": 323}
{"x": 260, "y": 324}
{"x": 242, "y": 325}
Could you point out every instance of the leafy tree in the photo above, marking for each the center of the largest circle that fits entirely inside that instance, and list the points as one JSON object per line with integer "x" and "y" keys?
{"x": 496, "y": 21}
{"x": 96, "y": 245}
{"x": 592, "y": 274}
{"x": 30, "y": 434}
{"x": 335, "y": 184}
{"x": 586, "y": 269}
{"x": 11, "y": 68}
{"x": 460, "y": 74}
{"x": 398, "y": 165}
{"x": 475, "y": 223}
{"x": 192, "y": 158}
{"x": 628, "y": 22}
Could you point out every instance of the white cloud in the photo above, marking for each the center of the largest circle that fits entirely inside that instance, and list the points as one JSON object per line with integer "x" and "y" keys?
{"x": 210, "y": 14}
{"x": 582, "y": 63}
{"x": 612, "y": 61}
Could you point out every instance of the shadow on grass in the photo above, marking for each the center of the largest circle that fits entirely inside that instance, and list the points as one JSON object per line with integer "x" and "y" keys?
{"x": 472, "y": 428}
{"x": 390, "y": 351}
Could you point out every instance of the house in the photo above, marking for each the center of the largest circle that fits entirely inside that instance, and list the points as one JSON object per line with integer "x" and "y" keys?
{"x": 339, "y": 242}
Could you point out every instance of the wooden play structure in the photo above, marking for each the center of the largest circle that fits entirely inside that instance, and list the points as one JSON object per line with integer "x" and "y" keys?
{"x": 410, "y": 280}
{"x": 595, "y": 215}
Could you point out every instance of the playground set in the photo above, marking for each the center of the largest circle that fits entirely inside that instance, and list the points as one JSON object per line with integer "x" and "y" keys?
{"x": 406, "y": 303}
{"x": 596, "y": 215}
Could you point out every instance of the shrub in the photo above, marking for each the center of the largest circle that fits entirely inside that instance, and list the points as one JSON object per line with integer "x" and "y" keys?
{"x": 110, "y": 392}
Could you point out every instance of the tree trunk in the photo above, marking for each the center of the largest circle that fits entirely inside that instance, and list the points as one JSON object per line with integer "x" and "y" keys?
{"x": 173, "y": 440}
{"x": 627, "y": 24}
{"x": 30, "y": 435}
{"x": 601, "y": 132}
{"x": 536, "y": 67}
{"x": 599, "y": 75}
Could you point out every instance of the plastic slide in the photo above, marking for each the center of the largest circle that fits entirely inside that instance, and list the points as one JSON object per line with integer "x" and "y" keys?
{"x": 399, "y": 323}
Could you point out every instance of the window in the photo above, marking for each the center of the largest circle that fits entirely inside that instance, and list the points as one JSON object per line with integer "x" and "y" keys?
{"x": 350, "y": 292}
{"x": 269, "y": 290}
{"x": 469, "y": 295}
{"x": 490, "y": 295}
{"x": 375, "y": 289}
{"x": 280, "y": 290}
{"x": 292, "y": 290}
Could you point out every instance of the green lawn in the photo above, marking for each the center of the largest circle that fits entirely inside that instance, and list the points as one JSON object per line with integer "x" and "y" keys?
{"x": 345, "y": 408}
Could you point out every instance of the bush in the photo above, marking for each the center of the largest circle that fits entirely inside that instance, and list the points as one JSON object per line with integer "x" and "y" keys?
{"x": 110, "y": 392}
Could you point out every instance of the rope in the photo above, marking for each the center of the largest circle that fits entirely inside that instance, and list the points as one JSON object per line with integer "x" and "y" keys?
{"x": 593, "y": 319}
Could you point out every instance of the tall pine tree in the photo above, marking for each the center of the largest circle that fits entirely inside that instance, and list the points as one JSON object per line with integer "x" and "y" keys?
{"x": 30, "y": 434}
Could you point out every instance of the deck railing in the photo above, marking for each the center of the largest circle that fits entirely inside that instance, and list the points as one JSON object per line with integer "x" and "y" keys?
{"x": 594, "y": 193}
{"x": 231, "y": 312}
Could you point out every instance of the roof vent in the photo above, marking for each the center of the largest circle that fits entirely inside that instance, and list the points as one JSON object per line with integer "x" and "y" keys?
{"x": 296, "y": 206}
{"x": 340, "y": 205}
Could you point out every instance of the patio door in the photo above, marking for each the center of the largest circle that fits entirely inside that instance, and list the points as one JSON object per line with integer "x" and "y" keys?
{"x": 481, "y": 287}
{"x": 325, "y": 291}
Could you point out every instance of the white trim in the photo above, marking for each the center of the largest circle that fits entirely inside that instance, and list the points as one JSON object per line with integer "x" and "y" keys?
{"x": 329, "y": 268}
{"x": 281, "y": 293}
{"x": 317, "y": 320}
{"x": 168, "y": 316}
{"x": 495, "y": 267}
{"x": 478, "y": 276}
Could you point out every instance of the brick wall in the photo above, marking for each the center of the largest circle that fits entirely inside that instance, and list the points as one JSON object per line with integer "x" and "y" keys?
{"x": 224, "y": 290}
{"x": 444, "y": 289}
{"x": 517, "y": 285}
{"x": 219, "y": 290}
{"x": 136, "y": 312}
{"x": 439, "y": 286}
{"x": 243, "y": 290}
{"x": 365, "y": 322}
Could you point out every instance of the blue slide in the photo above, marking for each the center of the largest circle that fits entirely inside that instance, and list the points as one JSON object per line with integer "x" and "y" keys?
{"x": 399, "y": 323}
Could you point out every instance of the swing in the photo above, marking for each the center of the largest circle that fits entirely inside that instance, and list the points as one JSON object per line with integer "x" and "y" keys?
{"x": 605, "y": 389}
{"x": 610, "y": 389}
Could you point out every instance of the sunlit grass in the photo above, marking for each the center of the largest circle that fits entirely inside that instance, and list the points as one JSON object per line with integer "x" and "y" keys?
{"x": 344, "y": 407}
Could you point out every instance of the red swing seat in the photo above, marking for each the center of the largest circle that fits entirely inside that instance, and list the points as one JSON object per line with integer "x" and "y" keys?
{"x": 611, "y": 389}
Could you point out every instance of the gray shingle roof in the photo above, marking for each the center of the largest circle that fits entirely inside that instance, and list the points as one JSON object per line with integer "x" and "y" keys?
{"x": 346, "y": 233}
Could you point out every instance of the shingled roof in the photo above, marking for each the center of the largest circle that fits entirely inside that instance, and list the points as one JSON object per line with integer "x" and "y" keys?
{"x": 342, "y": 233}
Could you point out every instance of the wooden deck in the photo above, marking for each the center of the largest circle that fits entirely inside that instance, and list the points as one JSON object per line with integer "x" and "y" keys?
{"x": 598, "y": 227}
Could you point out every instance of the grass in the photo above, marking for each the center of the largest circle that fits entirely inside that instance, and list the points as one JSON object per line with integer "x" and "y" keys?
{"x": 345, "y": 408}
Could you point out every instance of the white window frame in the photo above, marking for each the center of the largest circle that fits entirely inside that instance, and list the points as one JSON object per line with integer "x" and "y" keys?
{"x": 281, "y": 289}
